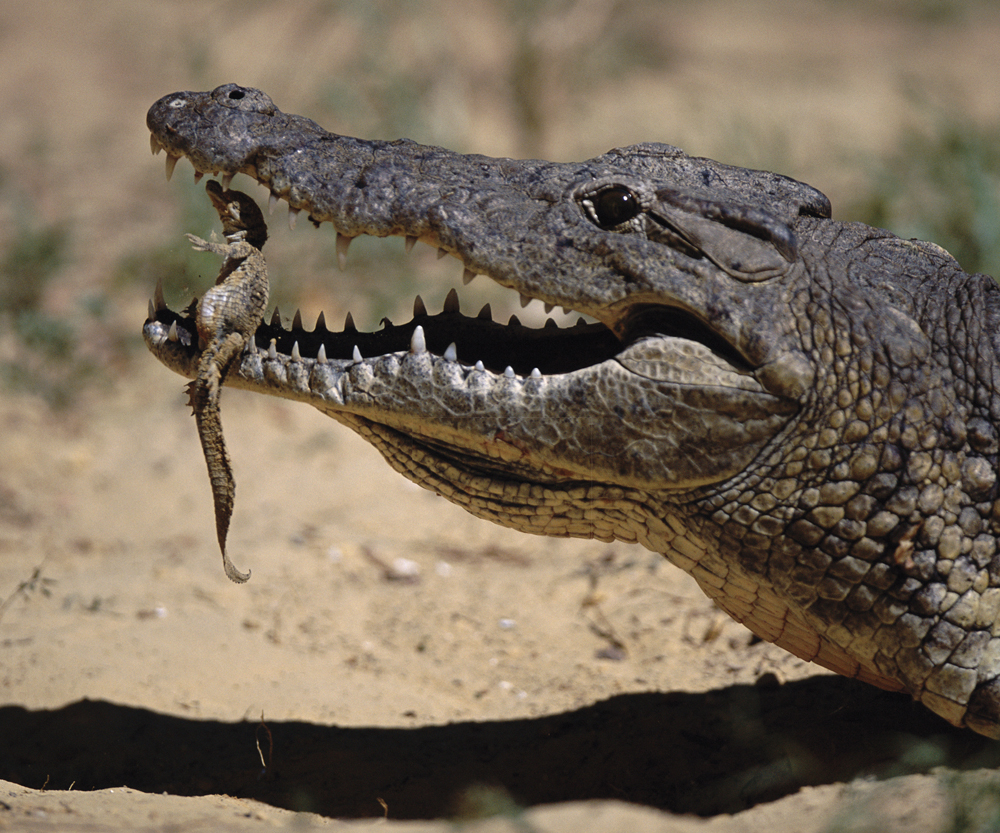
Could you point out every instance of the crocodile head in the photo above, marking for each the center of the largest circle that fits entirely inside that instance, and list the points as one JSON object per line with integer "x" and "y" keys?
{"x": 801, "y": 413}
{"x": 682, "y": 261}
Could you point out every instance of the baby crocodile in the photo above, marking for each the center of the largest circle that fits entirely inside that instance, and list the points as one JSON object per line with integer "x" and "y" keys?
{"x": 801, "y": 413}
{"x": 226, "y": 318}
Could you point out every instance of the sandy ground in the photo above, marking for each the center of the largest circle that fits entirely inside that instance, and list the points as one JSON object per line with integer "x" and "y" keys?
{"x": 393, "y": 658}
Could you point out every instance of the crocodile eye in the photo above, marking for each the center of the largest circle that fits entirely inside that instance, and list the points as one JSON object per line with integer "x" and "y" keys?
{"x": 236, "y": 95}
{"x": 614, "y": 206}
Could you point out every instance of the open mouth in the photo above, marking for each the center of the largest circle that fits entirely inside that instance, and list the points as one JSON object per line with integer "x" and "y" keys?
{"x": 475, "y": 341}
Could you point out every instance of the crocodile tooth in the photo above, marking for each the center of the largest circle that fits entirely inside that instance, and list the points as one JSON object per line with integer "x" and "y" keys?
{"x": 272, "y": 349}
{"x": 349, "y": 323}
{"x": 252, "y": 346}
{"x": 296, "y": 355}
{"x": 467, "y": 276}
{"x": 549, "y": 307}
{"x": 419, "y": 308}
{"x": 158, "y": 301}
{"x": 525, "y": 300}
{"x": 227, "y": 180}
{"x": 197, "y": 176}
{"x": 486, "y": 313}
{"x": 321, "y": 323}
{"x": 172, "y": 332}
{"x": 171, "y": 164}
{"x": 154, "y": 146}
{"x": 272, "y": 201}
{"x": 549, "y": 324}
{"x": 356, "y": 355}
{"x": 418, "y": 344}
{"x": 297, "y": 320}
{"x": 508, "y": 371}
{"x": 451, "y": 353}
{"x": 566, "y": 310}
{"x": 293, "y": 215}
{"x": 536, "y": 373}
{"x": 276, "y": 318}
{"x": 321, "y": 354}
{"x": 580, "y": 322}
{"x": 514, "y": 321}
{"x": 442, "y": 253}
{"x": 411, "y": 241}
{"x": 480, "y": 367}
{"x": 451, "y": 303}
{"x": 343, "y": 242}
{"x": 151, "y": 312}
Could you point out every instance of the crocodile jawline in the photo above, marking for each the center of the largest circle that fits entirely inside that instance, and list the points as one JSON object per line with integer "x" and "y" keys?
{"x": 549, "y": 349}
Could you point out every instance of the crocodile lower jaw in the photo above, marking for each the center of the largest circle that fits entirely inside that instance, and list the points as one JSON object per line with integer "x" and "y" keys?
{"x": 473, "y": 345}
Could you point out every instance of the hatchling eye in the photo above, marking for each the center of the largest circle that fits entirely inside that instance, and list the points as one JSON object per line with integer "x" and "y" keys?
{"x": 614, "y": 206}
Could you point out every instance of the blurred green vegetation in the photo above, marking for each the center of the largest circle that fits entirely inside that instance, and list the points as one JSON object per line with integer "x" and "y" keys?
{"x": 969, "y": 803}
{"x": 974, "y": 801}
{"x": 943, "y": 185}
{"x": 40, "y": 347}
{"x": 183, "y": 272}
{"x": 933, "y": 12}
{"x": 559, "y": 51}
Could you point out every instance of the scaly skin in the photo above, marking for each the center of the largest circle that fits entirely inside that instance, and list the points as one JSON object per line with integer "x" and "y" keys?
{"x": 799, "y": 412}
{"x": 226, "y": 318}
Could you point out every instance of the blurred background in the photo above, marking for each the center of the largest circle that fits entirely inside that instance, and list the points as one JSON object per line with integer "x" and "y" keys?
{"x": 890, "y": 108}
{"x": 110, "y": 582}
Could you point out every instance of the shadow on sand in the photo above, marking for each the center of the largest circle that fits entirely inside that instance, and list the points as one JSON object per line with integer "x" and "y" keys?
{"x": 719, "y": 752}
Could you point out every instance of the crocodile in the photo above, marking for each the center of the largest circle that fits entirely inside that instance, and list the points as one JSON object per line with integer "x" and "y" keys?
{"x": 801, "y": 413}
{"x": 226, "y": 319}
